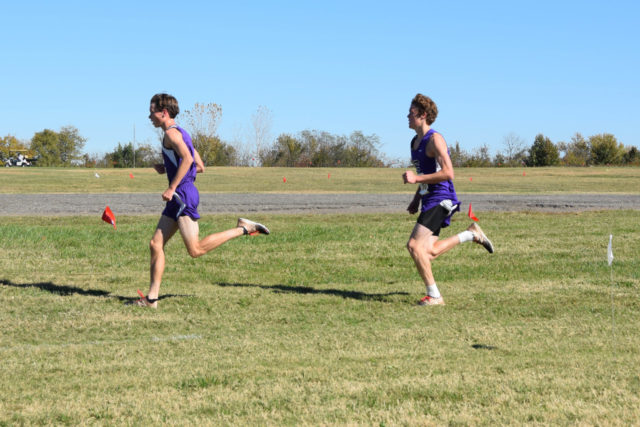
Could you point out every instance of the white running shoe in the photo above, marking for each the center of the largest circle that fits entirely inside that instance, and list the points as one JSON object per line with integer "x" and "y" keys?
{"x": 480, "y": 238}
{"x": 252, "y": 227}
{"x": 429, "y": 300}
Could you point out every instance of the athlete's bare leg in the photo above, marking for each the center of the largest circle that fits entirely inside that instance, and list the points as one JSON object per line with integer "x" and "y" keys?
{"x": 190, "y": 230}
{"x": 425, "y": 247}
{"x": 164, "y": 231}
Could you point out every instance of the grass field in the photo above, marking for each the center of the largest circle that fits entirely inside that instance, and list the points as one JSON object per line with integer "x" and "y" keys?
{"x": 321, "y": 180}
{"x": 316, "y": 324}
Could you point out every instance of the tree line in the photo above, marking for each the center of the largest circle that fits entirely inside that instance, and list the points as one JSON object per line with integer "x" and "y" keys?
{"x": 310, "y": 148}
{"x": 599, "y": 149}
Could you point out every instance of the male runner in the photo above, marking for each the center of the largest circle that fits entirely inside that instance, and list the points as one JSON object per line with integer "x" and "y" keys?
{"x": 181, "y": 163}
{"x": 430, "y": 156}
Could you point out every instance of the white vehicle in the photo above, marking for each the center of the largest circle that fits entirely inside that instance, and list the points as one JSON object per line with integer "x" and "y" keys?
{"x": 19, "y": 160}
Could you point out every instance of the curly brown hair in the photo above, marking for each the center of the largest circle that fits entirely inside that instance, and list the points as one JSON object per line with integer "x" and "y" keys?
{"x": 164, "y": 101}
{"x": 425, "y": 105}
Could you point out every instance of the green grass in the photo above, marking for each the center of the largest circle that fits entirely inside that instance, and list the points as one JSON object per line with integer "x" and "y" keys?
{"x": 321, "y": 180}
{"x": 316, "y": 324}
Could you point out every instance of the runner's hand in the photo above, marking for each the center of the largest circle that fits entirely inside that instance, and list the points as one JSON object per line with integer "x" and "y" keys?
{"x": 414, "y": 206}
{"x": 167, "y": 195}
{"x": 409, "y": 177}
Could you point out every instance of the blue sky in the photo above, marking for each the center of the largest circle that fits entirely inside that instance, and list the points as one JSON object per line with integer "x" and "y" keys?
{"x": 494, "y": 67}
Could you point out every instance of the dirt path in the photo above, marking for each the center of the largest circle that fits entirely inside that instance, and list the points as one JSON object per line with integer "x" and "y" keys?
{"x": 139, "y": 204}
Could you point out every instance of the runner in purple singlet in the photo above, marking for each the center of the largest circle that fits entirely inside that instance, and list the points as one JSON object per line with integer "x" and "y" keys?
{"x": 181, "y": 163}
{"x": 435, "y": 195}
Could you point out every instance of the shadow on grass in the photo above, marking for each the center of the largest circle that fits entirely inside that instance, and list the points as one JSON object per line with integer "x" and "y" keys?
{"x": 484, "y": 347}
{"x": 66, "y": 290}
{"x": 305, "y": 290}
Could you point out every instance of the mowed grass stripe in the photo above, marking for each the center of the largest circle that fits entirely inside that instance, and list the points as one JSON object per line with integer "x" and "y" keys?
{"x": 556, "y": 180}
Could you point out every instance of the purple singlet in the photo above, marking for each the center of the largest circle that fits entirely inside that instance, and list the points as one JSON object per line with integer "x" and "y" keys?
{"x": 432, "y": 194}
{"x": 186, "y": 190}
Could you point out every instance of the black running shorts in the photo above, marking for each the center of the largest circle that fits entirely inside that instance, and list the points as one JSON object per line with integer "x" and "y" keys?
{"x": 433, "y": 218}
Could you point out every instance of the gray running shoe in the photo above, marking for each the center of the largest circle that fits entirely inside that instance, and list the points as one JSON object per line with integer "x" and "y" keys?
{"x": 251, "y": 227}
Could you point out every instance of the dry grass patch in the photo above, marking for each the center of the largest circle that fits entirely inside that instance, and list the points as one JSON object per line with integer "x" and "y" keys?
{"x": 596, "y": 180}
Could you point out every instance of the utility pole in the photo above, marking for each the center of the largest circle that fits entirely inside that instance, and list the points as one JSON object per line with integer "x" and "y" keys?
{"x": 134, "y": 145}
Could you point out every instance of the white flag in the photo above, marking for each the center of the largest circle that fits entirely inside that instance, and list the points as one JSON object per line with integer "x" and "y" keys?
{"x": 610, "y": 250}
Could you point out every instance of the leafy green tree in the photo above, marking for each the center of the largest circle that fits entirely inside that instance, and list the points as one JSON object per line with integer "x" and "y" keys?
{"x": 543, "y": 152}
{"x": 577, "y": 152}
{"x": 70, "y": 145}
{"x": 58, "y": 148}
{"x": 480, "y": 158}
{"x": 8, "y": 144}
{"x": 316, "y": 146}
{"x": 362, "y": 150}
{"x": 631, "y": 157}
{"x": 322, "y": 149}
{"x": 122, "y": 156}
{"x": 286, "y": 151}
{"x": 45, "y": 143}
{"x": 291, "y": 148}
{"x": 213, "y": 151}
{"x": 605, "y": 149}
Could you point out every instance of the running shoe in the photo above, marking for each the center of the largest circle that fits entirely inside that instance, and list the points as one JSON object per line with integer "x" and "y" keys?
{"x": 143, "y": 301}
{"x": 429, "y": 300}
{"x": 480, "y": 238}
{"x": 251, "y": 227}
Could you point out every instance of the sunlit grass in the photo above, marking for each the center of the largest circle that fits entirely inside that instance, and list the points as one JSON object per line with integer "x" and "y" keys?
{"x": 321, "y": 180}
{"x": 317, "y": 324}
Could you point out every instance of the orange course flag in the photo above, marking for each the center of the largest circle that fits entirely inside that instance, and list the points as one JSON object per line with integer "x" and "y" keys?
{"x": 109, "y": 217}
{"x": 471, "y": 215}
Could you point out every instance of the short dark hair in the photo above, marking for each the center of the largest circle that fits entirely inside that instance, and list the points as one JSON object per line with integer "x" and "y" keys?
{"x": 164, "y": 101}
{"x": 425, "y": 105}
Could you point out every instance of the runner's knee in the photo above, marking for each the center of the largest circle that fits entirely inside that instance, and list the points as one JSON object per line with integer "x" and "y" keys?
{"x": 195, "y": 251}
{"x": 417, "y": 250}
{"x": 413, "y": 247}
{"x": 155, "y": 246}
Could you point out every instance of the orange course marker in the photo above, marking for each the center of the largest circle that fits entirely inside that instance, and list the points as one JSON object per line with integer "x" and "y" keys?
{"x": 109, "y": 217}
{"x": 471, "y": 215}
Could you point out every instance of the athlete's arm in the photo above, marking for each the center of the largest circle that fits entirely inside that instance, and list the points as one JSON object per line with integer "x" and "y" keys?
{"x": 414, "y": 206}
{"x": 175, "y": 141}
{"x": 198, "y": 160}
{"x": 443, "y": 159}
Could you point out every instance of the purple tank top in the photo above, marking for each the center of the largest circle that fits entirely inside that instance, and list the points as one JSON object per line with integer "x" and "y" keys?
{"x": 432, "y": 194}
{"x": 172, "y": 161}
